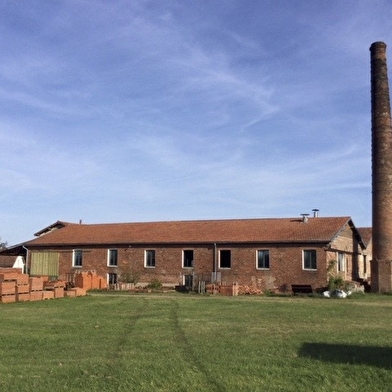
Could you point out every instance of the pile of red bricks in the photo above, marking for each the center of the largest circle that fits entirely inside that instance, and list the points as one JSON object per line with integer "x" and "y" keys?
{"x": 16, "y": 286}
{"x": 249, "y": 290}
{"x": 89, "y": 280}
{"x": 222, "y": 289}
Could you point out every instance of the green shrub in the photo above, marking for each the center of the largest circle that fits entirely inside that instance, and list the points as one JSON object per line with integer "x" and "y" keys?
{"x": 336, "y": 283}
{"x": 155, "y": 284}
{"x": 129, "y": 275}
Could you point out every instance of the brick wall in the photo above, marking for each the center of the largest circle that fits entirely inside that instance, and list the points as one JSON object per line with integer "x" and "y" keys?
{"x": 286, "y": 263}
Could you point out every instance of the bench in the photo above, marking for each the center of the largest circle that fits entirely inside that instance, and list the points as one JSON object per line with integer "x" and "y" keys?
{"x": 182, "y": 289}
{"x": 301, "y": 289}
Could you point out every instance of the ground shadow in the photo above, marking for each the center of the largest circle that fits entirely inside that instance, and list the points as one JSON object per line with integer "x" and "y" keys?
{"x": 349, "y": 354}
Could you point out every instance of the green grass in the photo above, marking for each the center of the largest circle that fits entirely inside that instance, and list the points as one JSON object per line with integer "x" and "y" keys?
{"x": 152, "y": 342}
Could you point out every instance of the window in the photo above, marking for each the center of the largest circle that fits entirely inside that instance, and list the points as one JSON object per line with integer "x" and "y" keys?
{"x": 341, "y": 262}
{"x": 263, "y": 259}
{"x": 187, "y": 258}
{"x": 112, "y": 257}
{"x": 112, "y": 278}
{"x": 310, "y": 259}
{"x": 149, "y": 258}
{"x": 188, "y": 281}
{"x": 225, "y": 259}
{"x": 77, "y": 259}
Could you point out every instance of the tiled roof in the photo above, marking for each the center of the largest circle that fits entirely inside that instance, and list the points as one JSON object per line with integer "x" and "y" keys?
{"x": 318, "y": 229}
{"x": 366, "y": 234}
{"x": 53, "y": 226}
{"x": 7, "y": 261}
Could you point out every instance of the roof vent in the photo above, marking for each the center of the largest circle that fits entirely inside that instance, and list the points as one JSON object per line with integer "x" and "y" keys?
{"x": 305, "y": 217}
{"x": 315, "y": 212}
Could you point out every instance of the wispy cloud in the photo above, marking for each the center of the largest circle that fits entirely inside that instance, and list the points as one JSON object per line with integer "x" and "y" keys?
{"x": 148, "y": 110}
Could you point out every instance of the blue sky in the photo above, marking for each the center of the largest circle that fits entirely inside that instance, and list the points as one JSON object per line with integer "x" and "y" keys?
{"x": 121, "y": 111}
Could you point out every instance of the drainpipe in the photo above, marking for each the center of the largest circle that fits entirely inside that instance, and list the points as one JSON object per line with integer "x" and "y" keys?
{"x": 27, "y": 258}
{"x": 215, "y": 263}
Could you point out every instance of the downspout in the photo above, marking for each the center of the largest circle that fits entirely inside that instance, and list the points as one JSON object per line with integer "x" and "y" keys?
{"x": 27, "y": 258}
{"x": 215, "y": 263}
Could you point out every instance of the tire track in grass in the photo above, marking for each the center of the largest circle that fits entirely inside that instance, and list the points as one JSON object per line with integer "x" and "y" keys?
{"x": 115, "y": 356}
{"x": 189, "y": 352}
{"x": 107, "y": 372}
{"x": 129, "y": 326}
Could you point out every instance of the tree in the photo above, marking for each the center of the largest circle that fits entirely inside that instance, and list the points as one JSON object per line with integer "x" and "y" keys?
{"x": 3, "y": 244}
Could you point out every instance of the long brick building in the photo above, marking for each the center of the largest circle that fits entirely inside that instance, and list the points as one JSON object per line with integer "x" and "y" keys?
{"x": 268, "y": 254}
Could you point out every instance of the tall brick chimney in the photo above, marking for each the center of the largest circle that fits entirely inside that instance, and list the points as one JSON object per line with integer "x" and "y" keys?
{"x": 381, "y": 171}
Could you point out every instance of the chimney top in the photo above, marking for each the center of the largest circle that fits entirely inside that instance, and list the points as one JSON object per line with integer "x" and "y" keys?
{"x": 378, "y": 44}
{"x": 305, "y": 217}
{"x": 315, "y": 212}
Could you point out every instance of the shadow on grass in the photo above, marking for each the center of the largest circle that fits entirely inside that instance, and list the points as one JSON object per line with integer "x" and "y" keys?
{"x": 349, "y": 354}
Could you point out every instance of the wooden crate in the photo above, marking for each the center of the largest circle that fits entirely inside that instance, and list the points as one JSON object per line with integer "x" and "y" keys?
{"x": 8, "y": 298}
{"x": 23, "y": 297}
{"x": 7, "y": 287}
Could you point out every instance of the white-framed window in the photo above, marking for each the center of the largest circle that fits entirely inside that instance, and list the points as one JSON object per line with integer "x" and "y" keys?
{"x": 112, "y": 278}
{"x": 77, "y": 258}
{"x": 262, "y": 259}
{"x": 112, "y": 257}
{"x": 188, "y": 281}
{"x": 149, "y": 258}
{"x": 225, "y": 258}
{"x": 310, "y": 259}
{"x": 341, "y": 262}
{"x": 187, "y": 258}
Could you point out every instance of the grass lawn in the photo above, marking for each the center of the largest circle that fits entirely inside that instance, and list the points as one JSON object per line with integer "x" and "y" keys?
{"x": 182, "y": 342}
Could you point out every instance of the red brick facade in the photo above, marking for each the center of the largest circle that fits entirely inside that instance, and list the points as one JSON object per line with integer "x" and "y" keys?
{"x": 286, "y": 260}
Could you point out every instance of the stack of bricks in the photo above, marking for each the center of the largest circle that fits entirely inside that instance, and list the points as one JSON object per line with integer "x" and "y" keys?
{"x": 89, "y": 280}
{"x": 212, "y": 288}
{"x": 22, "y": 287}
{"x": 54, "y": 289}
{"x": 8, "y": 281}
{"x": 36, "y": 288}
{"x": 223, "y": 289}
{"x": 16, "y": 286}
{"x": 75, "y": 292}
{"x": 229, "y": 289}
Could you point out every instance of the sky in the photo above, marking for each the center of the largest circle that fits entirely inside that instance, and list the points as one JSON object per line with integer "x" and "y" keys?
{"x": 155, "y": 110}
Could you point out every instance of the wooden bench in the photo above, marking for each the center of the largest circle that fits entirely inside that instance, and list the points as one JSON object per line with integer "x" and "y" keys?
{"x": 301, "y": 289}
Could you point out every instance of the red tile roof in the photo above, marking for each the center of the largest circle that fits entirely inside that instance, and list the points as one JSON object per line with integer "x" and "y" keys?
{"x": 7, "y": 261}
{"x": 366, "y": 234}
{"x": 319, "y": 229}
